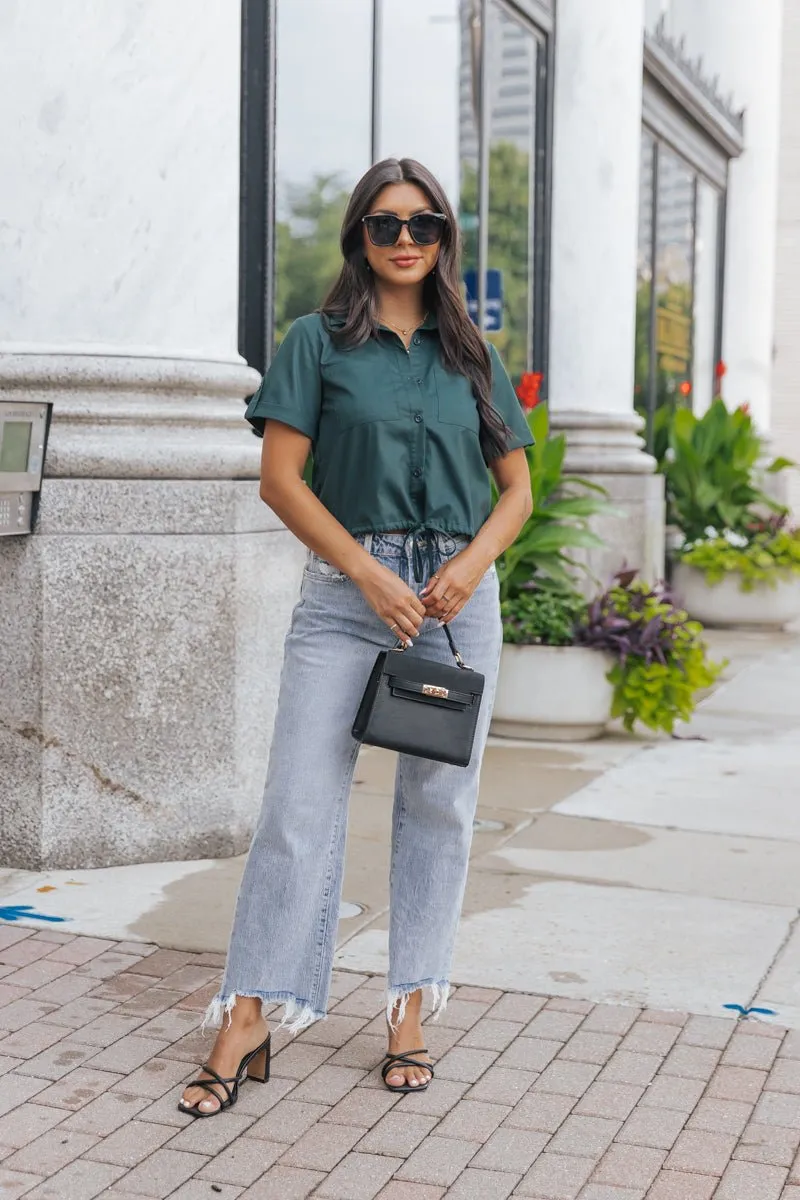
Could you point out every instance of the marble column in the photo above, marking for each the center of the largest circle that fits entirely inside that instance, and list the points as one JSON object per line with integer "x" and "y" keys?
{"x": 141, "y": 624}
{"x": 740, "y": 41}
{"x": 597, "y": 135}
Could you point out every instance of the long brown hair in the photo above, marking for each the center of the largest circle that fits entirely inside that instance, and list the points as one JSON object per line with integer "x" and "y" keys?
{"x": 353, "y": 298}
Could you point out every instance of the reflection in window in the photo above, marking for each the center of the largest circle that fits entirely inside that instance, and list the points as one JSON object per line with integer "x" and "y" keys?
{"x": 643, "y": 380}
{"x": 705, "y": 295}
{"x": 511, "y": 63}
{"x": 419, "y": 110}
{"x": 322, "y": 142}
{"x": 430, "y": 114}
{"x": 677, "y": 301}
{"x": 434, "y": 116}
{"x": 673, "y": 278}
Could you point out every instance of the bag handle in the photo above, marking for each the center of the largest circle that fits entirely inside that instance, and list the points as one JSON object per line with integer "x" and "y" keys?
{"x": 459, "y": 660}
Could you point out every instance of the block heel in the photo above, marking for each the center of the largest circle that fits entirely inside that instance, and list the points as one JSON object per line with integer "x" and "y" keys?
{"x": 258, "y": 1066}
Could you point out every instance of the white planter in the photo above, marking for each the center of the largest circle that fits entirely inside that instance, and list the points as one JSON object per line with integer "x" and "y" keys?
{"x": 552, "y": 693}
{"x": 723, "y": 605}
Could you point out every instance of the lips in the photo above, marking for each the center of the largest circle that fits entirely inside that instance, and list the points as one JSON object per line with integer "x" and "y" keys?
{"x": 406, "y": 260}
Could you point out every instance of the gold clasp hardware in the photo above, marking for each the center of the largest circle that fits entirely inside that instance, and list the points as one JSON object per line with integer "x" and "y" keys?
{"x": 428, "y": 689}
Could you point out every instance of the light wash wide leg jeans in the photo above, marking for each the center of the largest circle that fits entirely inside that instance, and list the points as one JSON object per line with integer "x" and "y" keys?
{"x": 284, "y": 930}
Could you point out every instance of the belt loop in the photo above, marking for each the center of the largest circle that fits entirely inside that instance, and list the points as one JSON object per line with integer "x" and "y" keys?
{"x": 368, "y": 542}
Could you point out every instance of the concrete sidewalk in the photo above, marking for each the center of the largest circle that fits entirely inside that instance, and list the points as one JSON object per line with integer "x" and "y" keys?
{"x": 555, "y": 1099}
{"x": 662, "y": 874}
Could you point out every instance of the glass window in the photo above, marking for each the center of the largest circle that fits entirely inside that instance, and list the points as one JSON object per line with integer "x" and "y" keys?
{"x": 706, "y": 281}
{"x": 322, "y": 142}
{"x": 511, "y": 62}
{"x": 644, "y": 364}
{"x": 420, "y": 108}
{"x": 434, "y": 116}
{"x": 430, "y": 115}
{"x": 328, "y": 122}
{"x": 678, "y": 296}
{"x": 673, "y": 278}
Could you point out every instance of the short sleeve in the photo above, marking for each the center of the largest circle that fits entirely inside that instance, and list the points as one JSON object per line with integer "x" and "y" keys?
{"x": 506, "y": 403}
{"x": 291, "y": 391}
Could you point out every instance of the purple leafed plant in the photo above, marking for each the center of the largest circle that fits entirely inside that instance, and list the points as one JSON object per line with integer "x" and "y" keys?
{"x": 630, "y": 620}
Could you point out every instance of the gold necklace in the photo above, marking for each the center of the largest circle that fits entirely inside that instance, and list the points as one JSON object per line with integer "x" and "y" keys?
{"x": 405, "y": 332}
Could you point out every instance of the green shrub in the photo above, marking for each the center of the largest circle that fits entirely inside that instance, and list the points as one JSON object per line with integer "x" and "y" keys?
{"x": 710, "y": 468}
{"x": 559, "y": 521}
{"x": 764, "y": 557}
{"x": 542, "y": 617}
{"x": 661, "y": 660}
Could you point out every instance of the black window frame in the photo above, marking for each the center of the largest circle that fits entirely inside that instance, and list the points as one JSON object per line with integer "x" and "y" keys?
{"x": 257, "y": 183}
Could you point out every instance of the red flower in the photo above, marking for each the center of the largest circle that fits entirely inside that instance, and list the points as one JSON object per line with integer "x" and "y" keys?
{"x": 529, "y": 389}
{"x": 719, "y": 370}
{"x": 745, "y": 408}
{"x": 685, "y": 388}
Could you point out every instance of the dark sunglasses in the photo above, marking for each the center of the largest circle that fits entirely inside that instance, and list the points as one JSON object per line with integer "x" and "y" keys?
{"x": 425, "y": 228}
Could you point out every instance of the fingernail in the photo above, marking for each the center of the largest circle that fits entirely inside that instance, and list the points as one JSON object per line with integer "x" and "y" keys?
{"x": 441, "y": 623}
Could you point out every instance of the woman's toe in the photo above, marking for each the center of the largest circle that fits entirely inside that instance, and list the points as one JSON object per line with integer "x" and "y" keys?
{"x": 396, "y": 1078}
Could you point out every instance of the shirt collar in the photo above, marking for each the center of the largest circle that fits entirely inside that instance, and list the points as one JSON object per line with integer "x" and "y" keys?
{"x": 336, "y": 321}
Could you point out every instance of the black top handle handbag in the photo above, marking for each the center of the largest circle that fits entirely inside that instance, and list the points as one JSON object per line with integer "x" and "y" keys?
{"x": 420, "y": 707}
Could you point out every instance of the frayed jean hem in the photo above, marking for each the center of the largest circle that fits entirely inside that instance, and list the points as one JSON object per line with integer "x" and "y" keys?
{"x": 298, "y": 1014}
{"x": 398, "y": 996}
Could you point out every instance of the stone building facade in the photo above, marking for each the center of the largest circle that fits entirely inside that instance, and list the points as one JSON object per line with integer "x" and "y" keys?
{"x": 174, "y": 177}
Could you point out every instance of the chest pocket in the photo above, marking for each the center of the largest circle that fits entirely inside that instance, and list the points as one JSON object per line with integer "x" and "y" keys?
{"x": 358, "y": 388}
{"x": 457, "y": 405}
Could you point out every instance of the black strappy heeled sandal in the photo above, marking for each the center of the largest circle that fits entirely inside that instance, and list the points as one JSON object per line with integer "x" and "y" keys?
{"x": 406, "y": 1061}
{"x": 254, "y": 1065}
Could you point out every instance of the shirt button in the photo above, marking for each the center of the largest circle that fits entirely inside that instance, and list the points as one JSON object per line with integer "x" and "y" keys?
{"x": 418, "y": 418}
{"x": 417, "y": 472}
{"x": 417, "y": 340}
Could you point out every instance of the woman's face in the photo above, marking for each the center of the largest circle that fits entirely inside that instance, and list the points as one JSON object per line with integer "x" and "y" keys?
{"x": 404, "y": 262}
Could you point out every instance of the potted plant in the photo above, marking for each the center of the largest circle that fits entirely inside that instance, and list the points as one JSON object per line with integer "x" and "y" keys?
{"x": 660, "y": 660}
{"x": 550, "y": 688}
{"x": 733, "y": 565}
{"x": 742, "y": 579}
{"x": 630, "y": 653}
{"x": 540, "y": 603}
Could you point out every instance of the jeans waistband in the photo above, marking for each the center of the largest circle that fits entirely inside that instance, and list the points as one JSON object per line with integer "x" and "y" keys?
{"x": 421, "y": 548}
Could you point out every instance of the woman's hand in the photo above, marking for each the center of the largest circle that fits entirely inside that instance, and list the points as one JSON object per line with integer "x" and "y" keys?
{"x": 453, "y": 584}
{"x": 393, "y": 601}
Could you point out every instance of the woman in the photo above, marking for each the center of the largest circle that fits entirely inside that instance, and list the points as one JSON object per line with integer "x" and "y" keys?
{"x": 403, "y": 405}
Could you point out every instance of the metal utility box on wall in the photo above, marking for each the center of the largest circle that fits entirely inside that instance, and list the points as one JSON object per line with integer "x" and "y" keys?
{"x": 23, "y": 439}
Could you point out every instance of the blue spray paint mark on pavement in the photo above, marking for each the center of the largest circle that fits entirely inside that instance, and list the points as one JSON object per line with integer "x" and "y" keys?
{"x": 25, "y": 912}
{"x": 745, "y": 1012}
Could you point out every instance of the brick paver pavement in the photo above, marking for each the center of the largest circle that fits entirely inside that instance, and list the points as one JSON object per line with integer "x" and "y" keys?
{"x": 546, "y": 1098}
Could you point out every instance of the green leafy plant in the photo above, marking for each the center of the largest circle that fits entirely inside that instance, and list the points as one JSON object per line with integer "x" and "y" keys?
{"x": 559, "y": 522}
{"x": 766, "y": 554}
{"x": 710, "y": 468}
{"x": 661, "y": 661}
{"x": 542, "y": 617}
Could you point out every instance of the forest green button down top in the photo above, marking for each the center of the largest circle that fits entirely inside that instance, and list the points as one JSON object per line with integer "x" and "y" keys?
{"x": 394, "y": 435}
